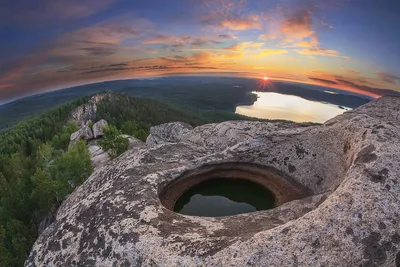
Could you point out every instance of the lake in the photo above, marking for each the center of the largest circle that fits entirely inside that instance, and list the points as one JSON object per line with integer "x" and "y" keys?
{"x": 289, "y": 107}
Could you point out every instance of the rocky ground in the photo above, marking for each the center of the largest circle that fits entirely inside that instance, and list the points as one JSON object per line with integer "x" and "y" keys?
{"x": 350, "y": 217}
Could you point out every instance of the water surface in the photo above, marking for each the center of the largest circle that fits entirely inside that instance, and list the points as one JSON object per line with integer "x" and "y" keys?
{"x": 289, "y": 107}
{"x": 224, "y": 197}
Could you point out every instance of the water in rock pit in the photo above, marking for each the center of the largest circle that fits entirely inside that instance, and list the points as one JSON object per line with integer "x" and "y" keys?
{"x": 224, "y": 197}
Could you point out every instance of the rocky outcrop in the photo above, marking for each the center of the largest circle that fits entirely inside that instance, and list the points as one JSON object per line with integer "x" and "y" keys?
{"x": 87, "y": 112}
{"x": 349, "y": 216}
{"x": 98, "y": 128}
{"x": 98, "y": 156}
{"x": 84, "y": 133}
{"x": 93, "y": 135}
{"x": 167, "y": 133}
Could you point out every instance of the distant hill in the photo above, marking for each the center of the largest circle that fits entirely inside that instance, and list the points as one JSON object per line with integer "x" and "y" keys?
{"x": 216, "y": 95}
{"x": 193, "y": 93}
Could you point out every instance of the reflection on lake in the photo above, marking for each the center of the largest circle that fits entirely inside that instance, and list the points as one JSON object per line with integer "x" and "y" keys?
{"x": 224, "y": 197}
{"x": 289, "y": 107}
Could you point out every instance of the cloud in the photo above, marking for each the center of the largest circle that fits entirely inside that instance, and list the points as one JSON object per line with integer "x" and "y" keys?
{"x": 269, "y": 52}
{"x": 325, "y": 81}
{"x": 266, "y": 37}
{"x": 80, "y": 48}
{"x": 320, "y": 52}
{"x": 194, "y": 59}
{"x": 181, "y": 41}
{"x": 202, "y": 42}
{"x": 153, "y": 67}
{"x": 3, "y": 86}
{"x": 298, "y": 26}
{"x": 358, "y": 85}
{"x": 351, "y": 71}
{"x": 99, "y": 51}
{"x": 388, "y": 78}
{"x": 164, "y": 39}
{"x": 298, "y": 29}
{"x": 118, "y": 65}
{"x": 240, "y": 24}
{"x": 221, "y": 21}
{"x": 244, "y": 45}
{"x": 225, "y": 36}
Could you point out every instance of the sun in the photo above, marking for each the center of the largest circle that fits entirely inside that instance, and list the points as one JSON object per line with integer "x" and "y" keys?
{"x": 264, "y": 83}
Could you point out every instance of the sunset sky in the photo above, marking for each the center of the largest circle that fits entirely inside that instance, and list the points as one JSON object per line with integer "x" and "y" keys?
{"x": 51, "y": 44}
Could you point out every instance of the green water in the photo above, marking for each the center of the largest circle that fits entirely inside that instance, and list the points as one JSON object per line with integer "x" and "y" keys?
{"x": 224, "y": 197}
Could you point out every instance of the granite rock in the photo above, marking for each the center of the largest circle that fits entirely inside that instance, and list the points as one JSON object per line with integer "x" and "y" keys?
{"x": 98, "y": 156}
{"x": 84, "y": 133}
{"x": 350, "y": 217}
{"x": 87, "y": 112}
{"x": 133, "y": 142}
{"x": 167, "y": 133}
{"x": 98, "y": 128}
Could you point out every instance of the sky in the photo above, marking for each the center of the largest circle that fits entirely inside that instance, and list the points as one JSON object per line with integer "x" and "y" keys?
{"x": 52, "y": 44}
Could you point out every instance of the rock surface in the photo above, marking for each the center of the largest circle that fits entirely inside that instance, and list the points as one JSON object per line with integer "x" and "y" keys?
{"x": 45, "y": 222}
{"x": 98, "y": 128}
{"x": 98, "y": 156}
{"x": 350, "y": 165}
{"x": 133, "y": 142}
{"x": 84, "y": 133}
{"x": 167, "y": 133}
{"x": 87, "y": 112}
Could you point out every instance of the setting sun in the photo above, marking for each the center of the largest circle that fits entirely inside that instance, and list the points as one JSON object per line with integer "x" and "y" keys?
{"x": 265, "y": 78}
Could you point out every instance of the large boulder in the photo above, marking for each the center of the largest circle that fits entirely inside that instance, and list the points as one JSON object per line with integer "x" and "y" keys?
{"x": 84, "y": 133}
{"x": 98, "y": 156}
{"x": 349, "y": 215}
{"x": 98, "y": 128}
{"x": 167, "y": 133}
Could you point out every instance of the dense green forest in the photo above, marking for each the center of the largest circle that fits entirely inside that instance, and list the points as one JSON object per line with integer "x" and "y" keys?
{"x": 37, "y": 170}
{"x": 189, "y": 93}
{"x": 35, "y": 175}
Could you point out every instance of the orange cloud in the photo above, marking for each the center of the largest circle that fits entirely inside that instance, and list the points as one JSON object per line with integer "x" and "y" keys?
{"x": 266, "y": 37}
{"x": 231, "y": 23}
{"x": 360, "y": 85}
{"x": 296, "y": 30}
{"x": 269, "y": 52}
{"x": 244, "y": 45}
{"x": 298, "y": 27}
{"x": 240, "y": 24}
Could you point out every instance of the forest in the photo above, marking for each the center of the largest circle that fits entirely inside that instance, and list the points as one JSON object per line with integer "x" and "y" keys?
{"x": 37, "y": 170}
